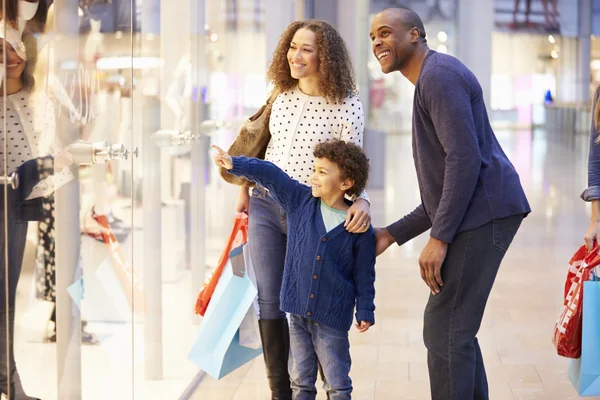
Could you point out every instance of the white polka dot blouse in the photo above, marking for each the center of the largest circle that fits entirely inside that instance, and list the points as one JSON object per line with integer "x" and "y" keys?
{"x": 299, "y": 122}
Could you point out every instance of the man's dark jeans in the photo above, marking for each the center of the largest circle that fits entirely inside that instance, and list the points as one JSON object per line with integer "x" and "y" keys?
{"x": 453, "y": 317}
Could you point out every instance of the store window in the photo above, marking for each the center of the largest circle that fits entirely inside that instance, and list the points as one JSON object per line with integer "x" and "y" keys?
{"x": 109, "y": 110}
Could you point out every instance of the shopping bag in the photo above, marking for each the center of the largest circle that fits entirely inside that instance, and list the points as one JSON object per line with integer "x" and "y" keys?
{"x": 127, "y": 276}
{"x": 237, "y": 237}
{"x": 567, "y": 330}
{"x": 584, "y": 372}
{"x": 249, "y": 331}
{"x": 217, "y": 349}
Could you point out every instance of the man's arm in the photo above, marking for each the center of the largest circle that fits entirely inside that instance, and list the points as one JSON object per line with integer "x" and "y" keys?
{"x": 364, "y": 277}
{"x": 410, "y": 226}
{"x": 288, "y": 192}
{"x": 447, "y": 98}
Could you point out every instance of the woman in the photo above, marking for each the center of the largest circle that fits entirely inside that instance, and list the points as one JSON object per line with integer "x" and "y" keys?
{"x": 23, "y": 144}
{"x": 311, "y": 70}
{"x": 29, "y": 137}
{"x": 592, "y": 193}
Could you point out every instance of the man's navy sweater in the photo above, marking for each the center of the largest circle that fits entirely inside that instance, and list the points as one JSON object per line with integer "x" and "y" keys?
{"x": 326, "y": 273}
{"x": 464, "y": 176}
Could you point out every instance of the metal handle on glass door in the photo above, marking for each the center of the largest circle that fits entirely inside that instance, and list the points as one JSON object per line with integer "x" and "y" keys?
{"x": 11, "y": 180}
{"x": 86, "y": 153}
{"x": 181, "y": 138}
{"x": 115, "y": 152}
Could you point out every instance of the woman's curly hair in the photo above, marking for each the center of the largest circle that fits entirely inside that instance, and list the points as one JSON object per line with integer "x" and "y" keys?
{"x": 336, "y": 73}
{"x": 350, "y": 159}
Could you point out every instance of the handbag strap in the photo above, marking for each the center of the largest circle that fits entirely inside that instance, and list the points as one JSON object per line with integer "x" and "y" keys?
{"x": 273, "y": 96}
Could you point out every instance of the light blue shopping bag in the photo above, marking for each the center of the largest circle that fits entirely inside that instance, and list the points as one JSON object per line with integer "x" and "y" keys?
{"x": 584, "y": 372}
{"x": 217, "y": 349}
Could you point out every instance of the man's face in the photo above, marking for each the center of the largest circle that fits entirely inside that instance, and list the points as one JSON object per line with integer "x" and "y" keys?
{"x": 392, "y": 41}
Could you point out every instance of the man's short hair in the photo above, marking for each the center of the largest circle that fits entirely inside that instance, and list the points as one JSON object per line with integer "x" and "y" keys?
{"x": 350, "y": 159}
{"x": 412, "y": 20}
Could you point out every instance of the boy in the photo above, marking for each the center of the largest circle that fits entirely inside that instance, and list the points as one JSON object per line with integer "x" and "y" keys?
{"x": 328, "y": 271}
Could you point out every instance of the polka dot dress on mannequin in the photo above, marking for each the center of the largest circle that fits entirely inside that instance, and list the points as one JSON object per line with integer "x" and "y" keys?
{"x": 299, "y": 122}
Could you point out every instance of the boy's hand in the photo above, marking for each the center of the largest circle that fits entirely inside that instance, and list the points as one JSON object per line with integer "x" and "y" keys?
{"x": 363, "y": 326}
{"x": 222, "y": 159}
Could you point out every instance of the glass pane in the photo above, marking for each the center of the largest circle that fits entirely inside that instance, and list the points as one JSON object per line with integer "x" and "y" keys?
{"x": 75, "y": 302}
{"x": 195, "y": 81}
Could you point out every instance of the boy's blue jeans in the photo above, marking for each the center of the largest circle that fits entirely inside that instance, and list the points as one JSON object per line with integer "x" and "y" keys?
{"x": 311, "y": 343}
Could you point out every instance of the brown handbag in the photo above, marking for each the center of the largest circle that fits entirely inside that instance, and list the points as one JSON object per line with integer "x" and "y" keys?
{"x": 252, "y": 139}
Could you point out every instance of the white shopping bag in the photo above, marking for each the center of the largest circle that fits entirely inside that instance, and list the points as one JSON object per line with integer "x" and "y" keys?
{"x": 249, "y": 331}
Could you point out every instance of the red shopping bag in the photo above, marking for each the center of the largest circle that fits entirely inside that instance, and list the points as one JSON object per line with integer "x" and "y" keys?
{"x": 237, "y": 237}
{"x": 567, "y": 331}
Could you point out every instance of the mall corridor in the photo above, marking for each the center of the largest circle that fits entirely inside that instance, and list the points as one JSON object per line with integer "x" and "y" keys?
{"x": 108, "y": 121}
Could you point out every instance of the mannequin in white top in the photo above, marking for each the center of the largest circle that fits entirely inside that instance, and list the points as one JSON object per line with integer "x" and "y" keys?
{"x": 317, "y": 102}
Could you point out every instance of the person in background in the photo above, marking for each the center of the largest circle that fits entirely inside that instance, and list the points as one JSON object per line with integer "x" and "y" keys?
{"x": 592, "y": 193}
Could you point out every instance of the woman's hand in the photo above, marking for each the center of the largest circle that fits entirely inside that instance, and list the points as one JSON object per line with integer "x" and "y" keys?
{"x": 222, "y": 159}
{"x": 593, "y": 232}
{"x": 358, "y": 218}
{"x": 243, "y": 202}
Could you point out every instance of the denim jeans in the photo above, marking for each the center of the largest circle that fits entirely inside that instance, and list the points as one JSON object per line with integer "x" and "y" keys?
{"x": 17, "y": 236}
{"x": 267, "y": 241}
{"x": 453, "y": 317}
{"x": 312, "y": 343}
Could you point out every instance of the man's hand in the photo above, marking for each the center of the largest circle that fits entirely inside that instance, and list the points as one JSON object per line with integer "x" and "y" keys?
{"x": 358, "y": 217}
{"x": 431, "y": 260}
{"x": 383, "y": 240}
{"x": 222, "y": 159}
{"x": 363, "y": 327}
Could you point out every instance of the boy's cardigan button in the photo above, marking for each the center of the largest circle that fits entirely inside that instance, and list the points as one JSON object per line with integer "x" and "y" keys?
{"x": 324, "y": 240}
{"x": 318, "y": 258}
{"x": 312, "y": 296}
{"x": 315, "y": 277}
{"x": 308, "y": 314}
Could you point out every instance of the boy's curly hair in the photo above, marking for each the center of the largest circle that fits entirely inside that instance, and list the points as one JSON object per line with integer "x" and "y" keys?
{"x": 336, "y": 73}
{"x": 350, "y": 159}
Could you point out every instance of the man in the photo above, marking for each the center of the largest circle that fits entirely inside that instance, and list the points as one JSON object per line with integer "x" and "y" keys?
{"x": 472, "y": 200}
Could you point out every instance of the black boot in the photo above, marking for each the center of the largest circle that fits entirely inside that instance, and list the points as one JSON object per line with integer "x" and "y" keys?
{"x": 275, "y": 337}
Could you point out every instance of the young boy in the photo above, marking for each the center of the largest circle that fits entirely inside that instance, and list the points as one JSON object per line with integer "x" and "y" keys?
{"x": 328, "y": 271}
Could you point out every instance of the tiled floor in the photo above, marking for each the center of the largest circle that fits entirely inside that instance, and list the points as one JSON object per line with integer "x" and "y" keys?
{"x": 389, "y": 361}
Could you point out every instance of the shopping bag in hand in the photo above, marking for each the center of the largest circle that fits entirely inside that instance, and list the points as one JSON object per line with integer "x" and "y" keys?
{"x": 219, "y": 347}
{"x": 567, "y": 331}
{"x": 584, "y": 372}
{"x": 249, "y": 330}
{"x": 237, "y": 237}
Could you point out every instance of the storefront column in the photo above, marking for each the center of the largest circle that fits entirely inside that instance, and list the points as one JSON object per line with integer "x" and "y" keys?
{"x": 67, "y": 239}
{"x": 354, "y": 25}
{"x": 584, "y": 51}
{"x": 566, "y": 91}
{"x": 474, "y": 48}
{"x": 278, "y": 15}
